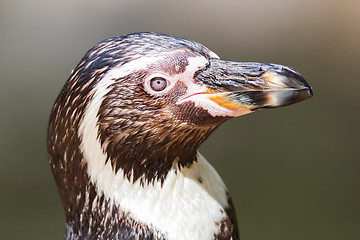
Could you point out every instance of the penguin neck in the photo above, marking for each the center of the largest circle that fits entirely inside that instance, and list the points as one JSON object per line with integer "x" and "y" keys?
{"x": 187, "y": 197}
{"x": 103, "y": 203}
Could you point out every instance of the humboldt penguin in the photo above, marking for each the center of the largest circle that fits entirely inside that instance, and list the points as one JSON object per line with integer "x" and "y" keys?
{"x": 125, "y": 129}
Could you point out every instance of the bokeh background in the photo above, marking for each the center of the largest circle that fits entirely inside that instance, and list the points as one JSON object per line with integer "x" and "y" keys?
{"x": 293, "y": 172}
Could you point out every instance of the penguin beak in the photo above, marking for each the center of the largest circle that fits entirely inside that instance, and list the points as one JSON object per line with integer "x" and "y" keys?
{"x": 248, "y": 86}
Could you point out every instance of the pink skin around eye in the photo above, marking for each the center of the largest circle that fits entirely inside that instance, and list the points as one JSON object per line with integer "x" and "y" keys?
{"x": 201, "y": 97}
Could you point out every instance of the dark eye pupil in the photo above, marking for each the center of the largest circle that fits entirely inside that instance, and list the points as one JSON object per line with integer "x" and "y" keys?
{"x": 158, "y": 83}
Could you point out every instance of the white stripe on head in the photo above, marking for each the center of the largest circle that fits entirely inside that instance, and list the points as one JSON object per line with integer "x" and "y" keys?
{"x": 213, "y": 55}
{"x": 184, "y": 207}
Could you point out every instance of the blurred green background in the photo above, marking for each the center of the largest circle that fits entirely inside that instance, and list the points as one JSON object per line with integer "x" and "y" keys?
{"x": 293, "y": 172}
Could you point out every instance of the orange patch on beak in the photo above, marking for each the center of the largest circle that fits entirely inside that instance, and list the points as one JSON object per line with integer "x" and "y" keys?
{"x": 221, "y": 100}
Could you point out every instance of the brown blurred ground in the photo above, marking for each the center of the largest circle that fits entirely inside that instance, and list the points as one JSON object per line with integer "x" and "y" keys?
{"x": 294, "y": 172}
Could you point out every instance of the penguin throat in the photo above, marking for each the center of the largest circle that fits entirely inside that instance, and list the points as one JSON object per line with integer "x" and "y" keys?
{"x": 150, "y": 155}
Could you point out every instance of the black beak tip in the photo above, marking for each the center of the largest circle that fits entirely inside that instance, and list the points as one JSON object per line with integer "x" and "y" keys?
{"x": 311, "y": 91}
{"x": 304, "y": 82}
{"x": 296, "y": 80}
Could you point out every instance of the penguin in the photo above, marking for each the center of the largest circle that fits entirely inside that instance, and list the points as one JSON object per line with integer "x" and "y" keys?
{"x": 124, "y": 134}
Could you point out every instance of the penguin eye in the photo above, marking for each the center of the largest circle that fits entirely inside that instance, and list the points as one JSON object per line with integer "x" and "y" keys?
{"x": 158, "y": 84}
